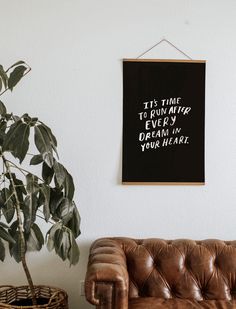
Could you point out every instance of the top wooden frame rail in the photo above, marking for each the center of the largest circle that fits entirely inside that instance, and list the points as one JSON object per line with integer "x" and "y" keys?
{"x": 162, "y": 60}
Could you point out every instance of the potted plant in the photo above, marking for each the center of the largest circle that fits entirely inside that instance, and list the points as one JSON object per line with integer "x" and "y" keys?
{"x": 33, "y": 184}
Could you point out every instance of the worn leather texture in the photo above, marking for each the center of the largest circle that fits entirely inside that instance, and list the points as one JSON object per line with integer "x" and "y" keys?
{"x": 175, "y": 303}
{"x": 157, "y": 273}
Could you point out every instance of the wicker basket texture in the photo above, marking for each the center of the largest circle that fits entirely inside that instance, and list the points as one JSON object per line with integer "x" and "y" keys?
{"x": 57, "y": 298}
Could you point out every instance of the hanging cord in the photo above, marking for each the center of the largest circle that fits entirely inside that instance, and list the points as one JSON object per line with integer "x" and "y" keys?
{"x": 164, "y": 40}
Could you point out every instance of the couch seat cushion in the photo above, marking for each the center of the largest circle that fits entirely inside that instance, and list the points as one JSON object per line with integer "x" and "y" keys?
{"x": 175, "y": 303}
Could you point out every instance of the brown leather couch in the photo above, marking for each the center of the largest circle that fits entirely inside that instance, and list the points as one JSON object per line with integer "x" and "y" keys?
{"x": 161, "y": 274}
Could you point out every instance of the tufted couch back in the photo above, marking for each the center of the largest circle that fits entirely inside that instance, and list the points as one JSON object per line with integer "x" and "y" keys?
{"x": 199, "y": 270}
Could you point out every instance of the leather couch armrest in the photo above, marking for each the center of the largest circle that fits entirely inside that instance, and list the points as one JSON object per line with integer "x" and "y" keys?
{"x": 107, "y": 281}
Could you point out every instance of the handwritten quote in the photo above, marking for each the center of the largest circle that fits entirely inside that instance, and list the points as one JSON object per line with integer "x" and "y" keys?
{"x": 159, "y": 118}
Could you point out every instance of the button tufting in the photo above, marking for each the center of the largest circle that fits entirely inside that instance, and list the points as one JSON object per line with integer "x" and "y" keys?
{"x": 214, "y": 262}
{"x": 174, "y": 268}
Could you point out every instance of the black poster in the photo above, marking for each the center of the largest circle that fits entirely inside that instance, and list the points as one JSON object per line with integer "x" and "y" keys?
{"x": 163, "y": 121}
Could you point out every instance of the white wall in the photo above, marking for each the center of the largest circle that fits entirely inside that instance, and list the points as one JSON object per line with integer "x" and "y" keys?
{"x": 74, "y": 48}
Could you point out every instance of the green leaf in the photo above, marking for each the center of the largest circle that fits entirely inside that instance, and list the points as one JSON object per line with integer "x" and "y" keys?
{"x": 56, "y": 197}
{"x": 4, "y": 225}
{"x": 58, "y": 240}
{"x": 46, "y": 193}
{"x": 62, "y": 243}
{"x": 62, "y": 240}
{"x": 65, "y": 210}
{"x": 34, "y": 120}
{"x": 1, "y": 203}
{"x": 19, "y": 187}
{"x": 13, "y": 233}
{"x": 15, "y": 64}
{"x": 26, "y": 117}
{"x": 43, "y": 144}
{"x": 29, "y": 210}
{"x": 69, "y": 186}
{"x": 15, "y": 117}
{"x": 13, "y": 228}
{"x": 52, "y": 138}
{"x": 6, "y": 236}
{"x": 15, "y": 249}
{"x": 47, "y": 173}
{"x": 23, "y": 144}
{"x": 50, "y": 236}
{"x": 60, "y": 173}
{"x": 3, "y": 109}
{"x": 41, "y": 198}
{"x": 65, "y": 245}
{"x": 38, "y": 233}
{"x": 3, "y": 126}
{"x": 16, "y": 76}
{"x": 2, "y": 251}
{"x": 50, "y": 134}
{"x": 17, "y": 140}
{"x": 37, "y": 159}
{"x": 3, "y": 76}
{"x": 48, "y": 158}
{"x": 8, "y": 209}
{"x": 74, "y": 223}
{"x": 74, "y": 252}
{"x": 11, "y": 135}
{"x": 34, "y": 239}
{"x": 32, "y": 185}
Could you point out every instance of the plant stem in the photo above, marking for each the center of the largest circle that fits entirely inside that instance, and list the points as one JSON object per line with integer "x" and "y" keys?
{"x": 22, "y": 170}
{"x": 21, "y": 232}
{"x": 29, "y": 69}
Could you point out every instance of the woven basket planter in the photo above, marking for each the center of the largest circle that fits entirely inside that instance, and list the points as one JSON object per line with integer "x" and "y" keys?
{"x": 57, "y": 298}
